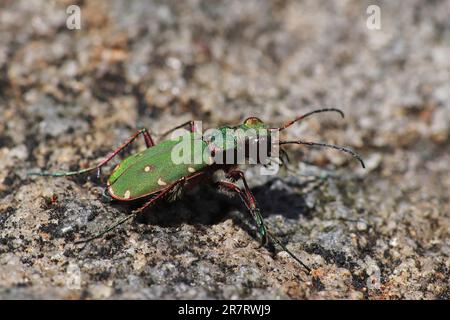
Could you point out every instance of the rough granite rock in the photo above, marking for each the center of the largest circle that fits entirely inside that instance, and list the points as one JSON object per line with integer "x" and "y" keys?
{"x": 68, "y": 97}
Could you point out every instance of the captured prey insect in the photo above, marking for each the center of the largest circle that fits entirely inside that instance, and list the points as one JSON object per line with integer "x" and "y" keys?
{"x": 152, "y": 174}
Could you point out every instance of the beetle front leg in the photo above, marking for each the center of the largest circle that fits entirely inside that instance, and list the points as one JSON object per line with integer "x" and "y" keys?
{"x": 250, "y": 202}
{"x": 148, "y": 142}
{"x": 192, "y": 128}
{"x": 236, "y": 175}
{"x": 254, "y": 210}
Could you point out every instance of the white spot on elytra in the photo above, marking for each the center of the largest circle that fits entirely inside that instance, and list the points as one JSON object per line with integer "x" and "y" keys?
{"x": 161, "y": 182}
{"x": 147, "y": 168}
{"x": 190, "y": 169}
{"x": 127, "y": 194}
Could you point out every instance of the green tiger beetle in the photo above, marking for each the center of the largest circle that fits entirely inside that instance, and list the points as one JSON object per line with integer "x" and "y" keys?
{"x": 152, "y": 174}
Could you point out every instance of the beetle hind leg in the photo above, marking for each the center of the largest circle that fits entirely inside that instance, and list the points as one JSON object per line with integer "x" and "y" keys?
{"x": 151, "y": 202}
{"x": 148, "y": 142}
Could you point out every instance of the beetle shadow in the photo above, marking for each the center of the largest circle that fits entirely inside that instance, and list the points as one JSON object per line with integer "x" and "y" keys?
{"x": 277, "y": 197}
{"x": 200, "y": 206}
{"x": 204, "y": 205}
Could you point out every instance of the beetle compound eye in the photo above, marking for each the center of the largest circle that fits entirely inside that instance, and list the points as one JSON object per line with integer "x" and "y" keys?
{"x": 252, "y": 121}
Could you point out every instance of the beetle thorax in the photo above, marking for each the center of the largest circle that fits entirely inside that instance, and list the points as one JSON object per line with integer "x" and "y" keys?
{"x": 240, "y": 144}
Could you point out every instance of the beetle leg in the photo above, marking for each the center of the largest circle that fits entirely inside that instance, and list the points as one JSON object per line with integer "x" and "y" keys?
{"x": 250, "y": 202}
{"x": 174, "y": 186}
{"x": 148, "y": 141}
{"x": 236, "y": 175}
{"x": 147, "y": 138}
{"x": 192, "y": 128}
{"x": 151, "y": 202}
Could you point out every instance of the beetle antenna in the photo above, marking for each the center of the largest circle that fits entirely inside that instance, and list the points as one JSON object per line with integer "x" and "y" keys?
{"x": 290, "y": 123}
{"x": 326, "y": 145}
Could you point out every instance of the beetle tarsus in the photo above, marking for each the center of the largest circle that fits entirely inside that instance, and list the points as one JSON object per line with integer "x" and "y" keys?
{"x": 105, "y": 231}
{"x": 277, "y": 241}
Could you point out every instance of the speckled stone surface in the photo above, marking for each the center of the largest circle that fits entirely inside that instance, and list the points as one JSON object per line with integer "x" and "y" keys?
{"x": 68, "y": 97}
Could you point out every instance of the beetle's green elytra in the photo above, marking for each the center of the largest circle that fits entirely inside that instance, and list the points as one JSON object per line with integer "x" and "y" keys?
{"x": 149, "y": 172}
{"x": 154, "y": 175}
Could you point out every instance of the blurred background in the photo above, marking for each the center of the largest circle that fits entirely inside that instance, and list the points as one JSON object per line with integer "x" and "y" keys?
{"x": 70, "y": 93}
